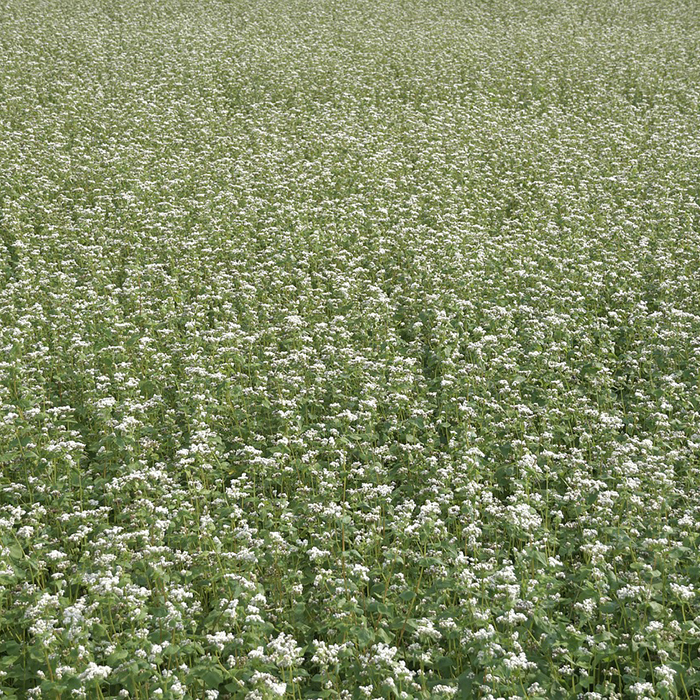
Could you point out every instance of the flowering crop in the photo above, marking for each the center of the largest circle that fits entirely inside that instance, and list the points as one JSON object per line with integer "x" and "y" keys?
{"x": 349, "y": 349}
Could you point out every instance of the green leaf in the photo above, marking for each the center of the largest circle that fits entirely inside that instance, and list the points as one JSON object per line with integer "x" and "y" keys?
{"x": 212, "y": 676}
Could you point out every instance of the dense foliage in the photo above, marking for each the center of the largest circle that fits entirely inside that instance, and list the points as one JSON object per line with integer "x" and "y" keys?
{"x": 349, "y": 349}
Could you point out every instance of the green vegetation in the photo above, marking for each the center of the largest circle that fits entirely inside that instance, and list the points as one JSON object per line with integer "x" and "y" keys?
{"x": 349, "y": 349}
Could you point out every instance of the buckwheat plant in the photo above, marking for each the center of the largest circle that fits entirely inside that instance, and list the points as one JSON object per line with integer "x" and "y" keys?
{"x": 349, "y": 349}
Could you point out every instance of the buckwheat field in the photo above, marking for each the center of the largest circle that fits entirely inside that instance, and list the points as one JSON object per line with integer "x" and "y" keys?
{"x": 349, "y": 349}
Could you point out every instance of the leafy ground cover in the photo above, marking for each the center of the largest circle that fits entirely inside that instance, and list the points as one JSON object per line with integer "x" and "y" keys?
{"x": 349, "y": 349}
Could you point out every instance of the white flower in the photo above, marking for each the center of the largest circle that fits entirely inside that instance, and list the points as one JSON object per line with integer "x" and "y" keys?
{"x": 95, "y": 672}
{"x": 284, "y": 651}
{"x": 269, "y": 682}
